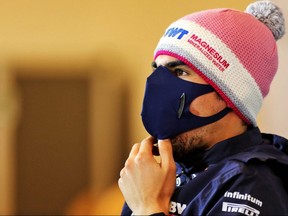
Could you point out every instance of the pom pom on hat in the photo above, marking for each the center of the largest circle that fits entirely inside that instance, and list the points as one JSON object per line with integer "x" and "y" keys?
{"x": 234, "y": 52}
{"x": 269, "y": 14}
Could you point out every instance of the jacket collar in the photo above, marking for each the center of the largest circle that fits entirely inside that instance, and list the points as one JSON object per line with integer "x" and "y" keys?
{"x": 244, "y": 147}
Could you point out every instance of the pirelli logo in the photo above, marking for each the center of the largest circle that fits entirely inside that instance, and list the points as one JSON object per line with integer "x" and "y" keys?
{"x": 239, "y": 208}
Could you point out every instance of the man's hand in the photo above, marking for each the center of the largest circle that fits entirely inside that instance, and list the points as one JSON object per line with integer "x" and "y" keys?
{"x": 146, "y": 184}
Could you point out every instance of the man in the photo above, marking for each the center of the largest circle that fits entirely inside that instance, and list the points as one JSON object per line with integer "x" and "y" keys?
{"x": 212, "y": 70}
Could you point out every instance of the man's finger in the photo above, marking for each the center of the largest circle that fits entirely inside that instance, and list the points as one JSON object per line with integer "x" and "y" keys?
{"x": 146, "y": 145}
{"x": 135, "y": 149}
{"x": 166, "y": 152}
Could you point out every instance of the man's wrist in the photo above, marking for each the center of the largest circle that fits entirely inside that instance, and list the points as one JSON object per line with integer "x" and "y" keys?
{"x": 153, "y": 208}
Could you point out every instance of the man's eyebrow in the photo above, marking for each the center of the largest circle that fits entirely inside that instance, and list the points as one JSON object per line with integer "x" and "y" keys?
{"x": 174, "y": 64}
{"x": 171, "y": 64}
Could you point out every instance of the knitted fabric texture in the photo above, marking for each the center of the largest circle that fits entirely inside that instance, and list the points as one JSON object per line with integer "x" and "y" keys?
{"x": 232, "y": 50}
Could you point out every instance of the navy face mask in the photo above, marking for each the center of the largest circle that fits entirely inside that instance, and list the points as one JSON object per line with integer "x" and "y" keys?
{"x": 165, "y": 111}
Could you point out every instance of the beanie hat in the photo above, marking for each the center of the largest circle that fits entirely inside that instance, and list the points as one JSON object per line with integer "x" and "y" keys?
{"x": 234, "y": 51}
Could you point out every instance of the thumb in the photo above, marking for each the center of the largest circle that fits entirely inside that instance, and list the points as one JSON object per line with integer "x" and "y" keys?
{"x": 166, "y": 152}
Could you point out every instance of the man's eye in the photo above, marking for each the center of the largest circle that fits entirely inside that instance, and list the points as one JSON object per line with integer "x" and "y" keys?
{"x": 180, "y": 72}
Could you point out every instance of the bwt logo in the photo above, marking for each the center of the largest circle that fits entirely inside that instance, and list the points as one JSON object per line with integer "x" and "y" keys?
{"x": 173, "y": 32}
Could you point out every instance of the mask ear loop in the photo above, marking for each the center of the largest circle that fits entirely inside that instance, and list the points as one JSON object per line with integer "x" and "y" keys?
{"x": 216, "y": 116}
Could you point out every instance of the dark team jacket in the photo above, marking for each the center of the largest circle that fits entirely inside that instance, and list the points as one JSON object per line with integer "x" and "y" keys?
{"x": 244, "y": 175}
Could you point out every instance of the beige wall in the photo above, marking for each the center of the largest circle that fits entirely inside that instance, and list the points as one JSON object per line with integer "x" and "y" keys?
{"x": 273, "y": 117}
{"x": 118, "y": 32}
{"x": 115, "y": 38}
{"x": 112, "y": 32}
